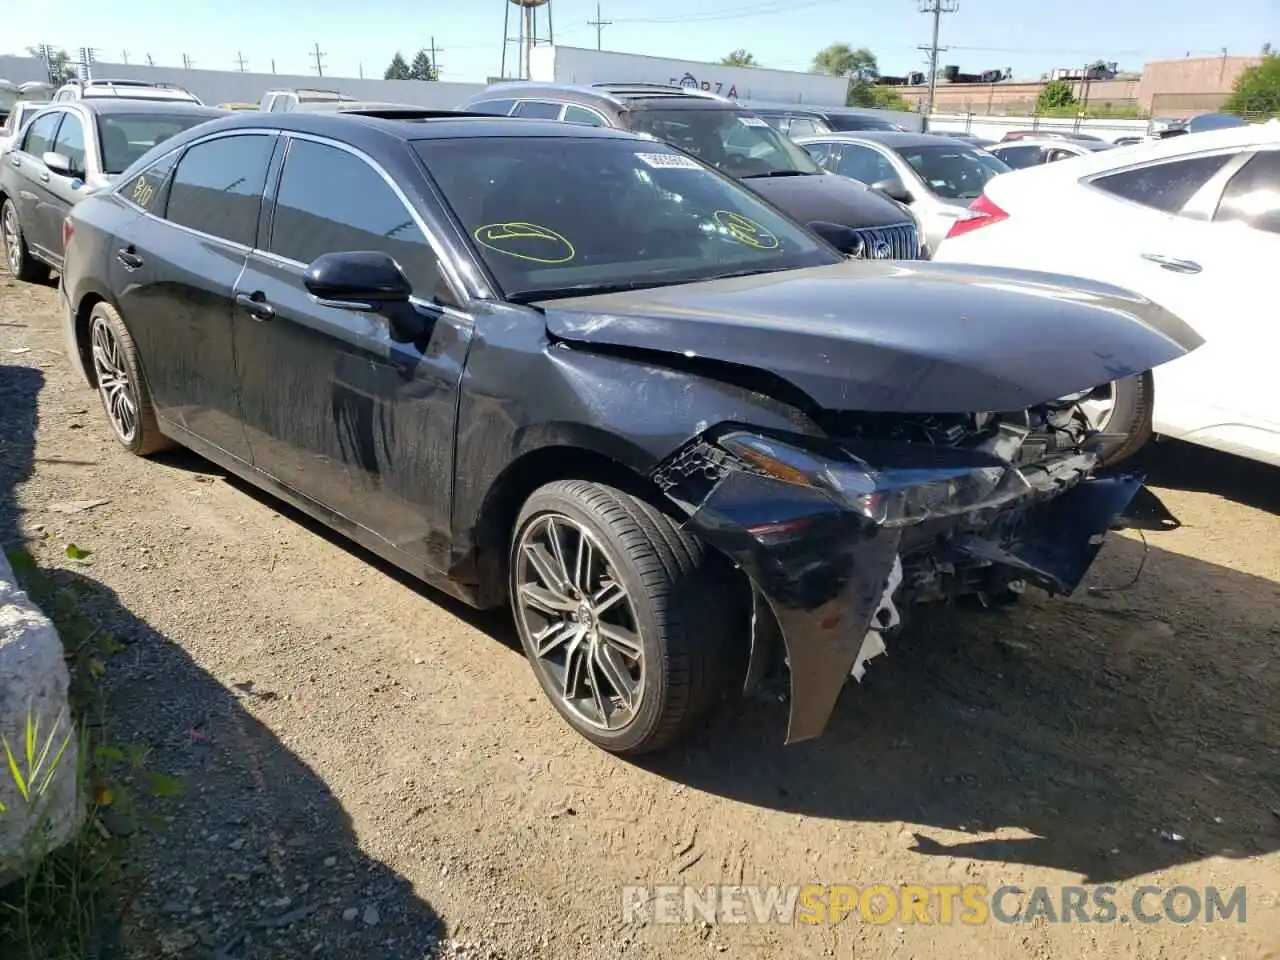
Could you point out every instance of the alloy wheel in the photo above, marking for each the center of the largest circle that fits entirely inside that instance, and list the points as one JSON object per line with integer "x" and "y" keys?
{"x": 1100, "y": 407}
{"x": 12, "y": 239}
{"x": 579, "y": 621}
{"x": 119, "y": 398}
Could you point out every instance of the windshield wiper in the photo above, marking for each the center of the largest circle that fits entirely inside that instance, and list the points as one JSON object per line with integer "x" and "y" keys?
{"x": 585, "y": 290}
{"x": 780, "y": 173}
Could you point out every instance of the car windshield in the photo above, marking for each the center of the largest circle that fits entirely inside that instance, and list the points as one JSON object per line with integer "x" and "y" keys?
{"x": 127, "y": 136}
{"x": 560, "y": 216}
{"x": 954, "y": 172}
{"x": 738, "y": 142}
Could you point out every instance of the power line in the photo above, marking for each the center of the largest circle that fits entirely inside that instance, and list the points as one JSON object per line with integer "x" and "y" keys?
{"x": 599, "y": 24}
{"x": 318, "y": 56}
{"x": 937, "y": 8}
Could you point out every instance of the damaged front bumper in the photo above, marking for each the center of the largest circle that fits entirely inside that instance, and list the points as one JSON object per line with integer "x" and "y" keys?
{"x": 828, "y": 535}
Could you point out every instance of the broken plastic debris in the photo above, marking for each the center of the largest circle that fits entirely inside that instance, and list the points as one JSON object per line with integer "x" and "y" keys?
{"x": 1170, "y": 835}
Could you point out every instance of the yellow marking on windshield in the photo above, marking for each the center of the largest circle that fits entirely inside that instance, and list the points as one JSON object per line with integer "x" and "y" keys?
{"x": 525, "y": 236}
{"x": 745, "y": 230}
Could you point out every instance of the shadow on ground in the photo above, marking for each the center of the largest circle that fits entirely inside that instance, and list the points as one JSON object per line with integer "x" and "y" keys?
{"x": 1186, "y": 466}
{"x": 254, "y": 857}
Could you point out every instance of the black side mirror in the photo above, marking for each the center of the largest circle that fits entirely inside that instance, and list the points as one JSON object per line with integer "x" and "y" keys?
{"x": 367, "y": 281}
{"x": 893, "y": 188}
{"x": 844, "y": 239}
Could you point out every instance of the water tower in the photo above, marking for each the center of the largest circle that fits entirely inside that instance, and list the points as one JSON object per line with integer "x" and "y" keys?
{"x": 534, "y": 30}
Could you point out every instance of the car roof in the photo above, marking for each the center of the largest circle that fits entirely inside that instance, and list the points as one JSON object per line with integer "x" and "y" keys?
{"x": 620, "y": 94}
{"x": 1058, "y": 144}
{"x": 110, "y": 105}
{"x": 364, "y": 130}
{"x": 897, "y": 139}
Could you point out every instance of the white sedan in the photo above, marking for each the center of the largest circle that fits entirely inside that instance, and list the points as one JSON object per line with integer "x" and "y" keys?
{"x": 1192, "y": 223}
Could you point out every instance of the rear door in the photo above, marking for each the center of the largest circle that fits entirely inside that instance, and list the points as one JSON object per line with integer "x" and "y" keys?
{"x": 30, "y": 180}
{"x": 177, "y": 278}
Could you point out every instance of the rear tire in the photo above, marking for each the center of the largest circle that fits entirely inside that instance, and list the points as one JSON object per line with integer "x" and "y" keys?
{"x": 121, "y": 387}
{"x": 22, "y": 265}
{"x": 670, "y": 630}
{"x": 1133, "y": 400}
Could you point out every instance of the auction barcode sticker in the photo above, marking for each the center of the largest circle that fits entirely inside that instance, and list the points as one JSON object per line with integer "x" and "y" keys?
{"x": 668, "y": 161}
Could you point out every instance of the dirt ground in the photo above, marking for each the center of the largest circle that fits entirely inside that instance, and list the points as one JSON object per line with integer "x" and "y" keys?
{"x": 370, "y": 769}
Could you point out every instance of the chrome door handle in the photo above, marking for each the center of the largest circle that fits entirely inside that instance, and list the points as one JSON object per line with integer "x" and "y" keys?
{"x": 44, "y": 178}
{"x": 1172, "y": 263}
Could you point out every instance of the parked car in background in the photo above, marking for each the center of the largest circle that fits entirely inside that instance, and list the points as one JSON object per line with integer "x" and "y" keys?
{"x": 358, "y": 106}
{"x": 803, "y": 122}
{"x": 974, "y": 141}
{"x": 67, "y": 152}
{"x": 1030, "y": 153}
{"x": 1192, "y": 223}
{"x": 128, "y": 89}
{"x": 1047, "y": 134}
{"x": 577, "y": 371}
{"x": 18, "y": 115}
{"x": 237, "y": 105}
{"x": 1127, "y": 141}
{"x": 732, "y": 139}
{"x": 936, "y": 176}
{"x": 283, "y": 101}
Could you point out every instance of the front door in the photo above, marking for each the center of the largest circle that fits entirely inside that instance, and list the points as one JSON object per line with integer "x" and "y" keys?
{"x": 177, "y": 278}
{"x": 62, "y": 191}
{"x": 335, "y": 408}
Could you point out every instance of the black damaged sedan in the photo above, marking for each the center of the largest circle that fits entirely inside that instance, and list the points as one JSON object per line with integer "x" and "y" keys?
{"x": 579, "y": 372}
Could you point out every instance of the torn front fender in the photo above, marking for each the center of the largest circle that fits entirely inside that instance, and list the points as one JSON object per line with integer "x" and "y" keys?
{"x": 821, "y": 567}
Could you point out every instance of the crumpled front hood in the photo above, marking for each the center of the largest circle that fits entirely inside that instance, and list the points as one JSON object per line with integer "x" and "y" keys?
{"x": 831, "y": 198}
{"x": 904, "y": 336}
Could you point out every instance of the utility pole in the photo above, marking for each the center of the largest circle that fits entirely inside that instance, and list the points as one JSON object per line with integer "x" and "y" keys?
{"x": 599, "y": 24}
{"x": 240, "y": 61}
{"x": 937, "y": 8}
{"x": 186, "y": 62}
{"x": 150, "y": 62}
{"x": 318, "y": 56}
{"x": 435, "y": 63}
{"x": 124, "y": 57}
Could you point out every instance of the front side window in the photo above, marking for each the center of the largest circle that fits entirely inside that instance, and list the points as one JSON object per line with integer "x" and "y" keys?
{"x": 1019, "y": 158}
{"x": 125, "y": 137}
{"x": 279, "y": 103}
{"x": 39, "y": 138}
{"x": 865, "y": 164}
{"x": 736, "y": 142}
{"x": 565, "y": 215}
{"x": 217, "y": 187}
{"x": 331, "y": 201}
{"x": 827, "y": 155}
{"x": 539, "y": 110}
{"x": 953, "y": 172}
{"x": 1253, "y": 195}
{"x": 1163, "y": 186}
{"x": 70, "y": 142}
{"x": 498, "y": 108}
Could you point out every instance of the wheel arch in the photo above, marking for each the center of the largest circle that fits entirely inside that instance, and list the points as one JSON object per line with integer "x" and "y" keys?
{"x": 547, "y": 454}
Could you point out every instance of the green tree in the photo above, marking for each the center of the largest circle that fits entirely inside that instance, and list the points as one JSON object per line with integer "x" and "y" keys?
{"x": 1257, "y": 89}
{"x": 888, "y": 98}
{"x": 860, "y": 66}
{"x": 423, "y": 68}
{"x": 61, "y": 69}
{"x": 1056, "y": 95}
{"x": 740, "y": 58}
{"x": 398, "y": 70}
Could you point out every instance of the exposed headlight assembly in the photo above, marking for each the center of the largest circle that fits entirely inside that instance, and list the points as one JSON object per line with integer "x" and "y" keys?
{"x": 890, "y": 484}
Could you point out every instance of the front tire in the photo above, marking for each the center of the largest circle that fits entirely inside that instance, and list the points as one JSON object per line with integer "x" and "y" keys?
{"x": 1127, "y": 408}
{"x": 22, "y": 265}
{"x": 121, "y": 388}
{"x": 625, "y": 618}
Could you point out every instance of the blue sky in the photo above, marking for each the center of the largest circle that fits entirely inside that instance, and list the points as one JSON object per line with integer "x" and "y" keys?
{"x": 1031, "y": 36}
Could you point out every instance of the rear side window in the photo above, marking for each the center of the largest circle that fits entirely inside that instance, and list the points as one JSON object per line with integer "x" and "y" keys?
{"x": 539, "y": 110}
{"x": 332, "y": 201}
{"x": 39, "y": 138}
{"x": 70, "y": 142}
{"x": 804, "y": 127}
{"x": 217, "y": 188}
{"x": 1253, "y": 195}
{"x": 1163, "y": 186}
